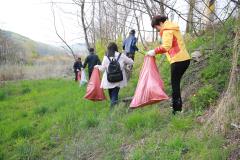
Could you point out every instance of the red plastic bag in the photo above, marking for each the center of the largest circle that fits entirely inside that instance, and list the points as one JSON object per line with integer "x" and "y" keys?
{"x": 150, "y": 85}
{"x": 79, "y": 76}
{"x": 94, "y": 92}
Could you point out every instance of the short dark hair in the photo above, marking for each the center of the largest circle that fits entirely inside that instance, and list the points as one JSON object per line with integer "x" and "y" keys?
{"x": 157, "y": 19}
{"x": 132, "y": 31}
{"x": 111, "y": 49}
{"x": 91, "y": 49}
{"x": 79, "y": 58}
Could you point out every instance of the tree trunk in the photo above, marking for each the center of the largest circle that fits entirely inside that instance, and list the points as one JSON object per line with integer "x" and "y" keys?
{"x": 162, "y": 8}
{"x": 83, "y": 23}
{"x": 93, "y": 26}
{"x": 139, "y": 30}
{"x": 190, "y": 16}
{"x": 100, "y": 20}
{"x": 210, "y": 12}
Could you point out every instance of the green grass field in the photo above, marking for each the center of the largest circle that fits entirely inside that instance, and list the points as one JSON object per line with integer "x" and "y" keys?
{"x": 47, "y": 119}
{"x": 50, "y": 119}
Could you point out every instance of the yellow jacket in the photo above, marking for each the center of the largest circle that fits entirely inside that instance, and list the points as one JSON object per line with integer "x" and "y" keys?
{"x": 172, "y": 43}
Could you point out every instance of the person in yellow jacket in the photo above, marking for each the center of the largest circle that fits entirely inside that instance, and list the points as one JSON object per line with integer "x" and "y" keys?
{"x": 174, "y": 48}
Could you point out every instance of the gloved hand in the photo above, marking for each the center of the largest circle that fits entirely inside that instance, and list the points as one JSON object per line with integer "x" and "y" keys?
{"x": 151, "y": 53}
{"x": 77, "y": 70}
{"x": 96, "y": 66}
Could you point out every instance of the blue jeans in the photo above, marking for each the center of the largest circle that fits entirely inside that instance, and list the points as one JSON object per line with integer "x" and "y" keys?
{"x": 113, "y": 94}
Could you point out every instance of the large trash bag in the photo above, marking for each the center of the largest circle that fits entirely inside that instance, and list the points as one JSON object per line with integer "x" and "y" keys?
{"x": 150, "y": 85}
{"x": 83, "y": 80}
{"x": 79, "y": 76}
{"x": 94, "y": 92}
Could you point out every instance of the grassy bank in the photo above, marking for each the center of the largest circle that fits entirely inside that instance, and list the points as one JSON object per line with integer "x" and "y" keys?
{"x": 49, "y": 119}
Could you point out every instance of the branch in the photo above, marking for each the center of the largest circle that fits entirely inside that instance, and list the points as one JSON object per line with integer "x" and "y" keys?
{"x": 54, "y": 22}
{"x": 213, "y": 12}
{"x": 177, "y": 12}
{"x": 237, "y": 2}
{"x": 199, "y": 11}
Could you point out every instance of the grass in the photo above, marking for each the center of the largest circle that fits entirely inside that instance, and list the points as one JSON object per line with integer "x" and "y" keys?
{"x": 49, "y": 119}
{"x": 56, "y": 122}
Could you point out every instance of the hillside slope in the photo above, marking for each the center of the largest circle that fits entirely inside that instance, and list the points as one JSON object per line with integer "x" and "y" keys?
{"x": 25, "y": 44}
{"x": 50, "y": 119}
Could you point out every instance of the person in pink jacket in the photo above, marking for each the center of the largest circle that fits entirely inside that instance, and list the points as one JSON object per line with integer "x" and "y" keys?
{"x": 113, "y": 87}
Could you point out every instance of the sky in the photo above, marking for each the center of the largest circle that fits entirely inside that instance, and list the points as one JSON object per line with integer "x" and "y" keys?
{"x": 33, "y": 19}
{"x": 27, "y": 17}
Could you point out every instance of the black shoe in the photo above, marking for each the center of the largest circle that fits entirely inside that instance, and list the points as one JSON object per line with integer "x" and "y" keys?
{"x": 177, "y": 104}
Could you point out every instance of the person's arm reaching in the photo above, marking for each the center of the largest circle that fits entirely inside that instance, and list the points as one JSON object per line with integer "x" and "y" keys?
{"x": 103, "y": 66}
{"x": 167, "y": 39}
{"x": 85, "y": 63}
{"x": 98, "y": 61}
{"x": 135, "y": 44}
{"x": 127, "y": 60}
{"x": 81, "y": 65}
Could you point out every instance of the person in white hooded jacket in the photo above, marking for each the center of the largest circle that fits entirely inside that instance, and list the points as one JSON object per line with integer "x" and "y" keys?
{"x": 113, "y": 87}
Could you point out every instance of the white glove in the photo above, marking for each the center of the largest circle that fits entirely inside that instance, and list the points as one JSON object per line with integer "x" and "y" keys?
{"x": 96, "y": 66}
{"x": 151, "y": 53}
{"x": 77, "y": 70}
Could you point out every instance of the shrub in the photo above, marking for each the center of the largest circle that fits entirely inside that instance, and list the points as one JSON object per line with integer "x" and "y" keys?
{"x": 1, "y": 155}
{"x": 203, "y": 98}
{"x": 22, "y": 131}
{"x": 26, "y": 150}
{"x": 215, "y": 68}
{"x": 135, "y": 121}
{"x": 26, "y": 90}
{"x": 3, "y": 95}
{"x": 41, "y": 110}
{"x": 91, "y": 121}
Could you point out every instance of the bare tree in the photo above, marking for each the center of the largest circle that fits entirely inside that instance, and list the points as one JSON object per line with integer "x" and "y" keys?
{"x": 81, "y": 4}
{"x": 111, "y": 19}
{"x": 60, "y": 37}
{"x": 189, "y": 25}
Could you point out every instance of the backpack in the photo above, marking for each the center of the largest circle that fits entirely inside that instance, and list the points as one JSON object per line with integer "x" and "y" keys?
{"x": 114, "y": 72}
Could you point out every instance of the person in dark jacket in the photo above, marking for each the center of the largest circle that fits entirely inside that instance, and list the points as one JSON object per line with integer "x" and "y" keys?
{"x": 77, "y": 67}
{"x": 91, "y": 60}
{"x": 129, "y": 45}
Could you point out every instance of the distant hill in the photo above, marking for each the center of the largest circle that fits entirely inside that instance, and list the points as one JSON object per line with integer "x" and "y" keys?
{"x": 80, "y": 49}
{"x": 16, "y": 42}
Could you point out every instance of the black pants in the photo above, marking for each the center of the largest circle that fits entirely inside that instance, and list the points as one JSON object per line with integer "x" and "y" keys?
{"x": 177, "y": 71}
{"x": 130, "y": 55}
{"x": 90, "y": 73}
{"x": 113, "y": 94}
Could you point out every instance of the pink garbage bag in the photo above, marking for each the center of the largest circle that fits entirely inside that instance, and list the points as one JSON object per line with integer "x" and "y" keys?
{"x": 94, "y": 92}
{"x": 150, "y": 85}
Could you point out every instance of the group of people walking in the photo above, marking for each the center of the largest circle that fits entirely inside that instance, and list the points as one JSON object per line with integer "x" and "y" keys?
{"x": 91, "y": 60}
{"x": 172, "y": 45}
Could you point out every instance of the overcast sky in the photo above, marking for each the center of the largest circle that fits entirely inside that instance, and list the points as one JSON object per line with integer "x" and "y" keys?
{"x": 27, "y": 17}
{"x": 33, "y": 18}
